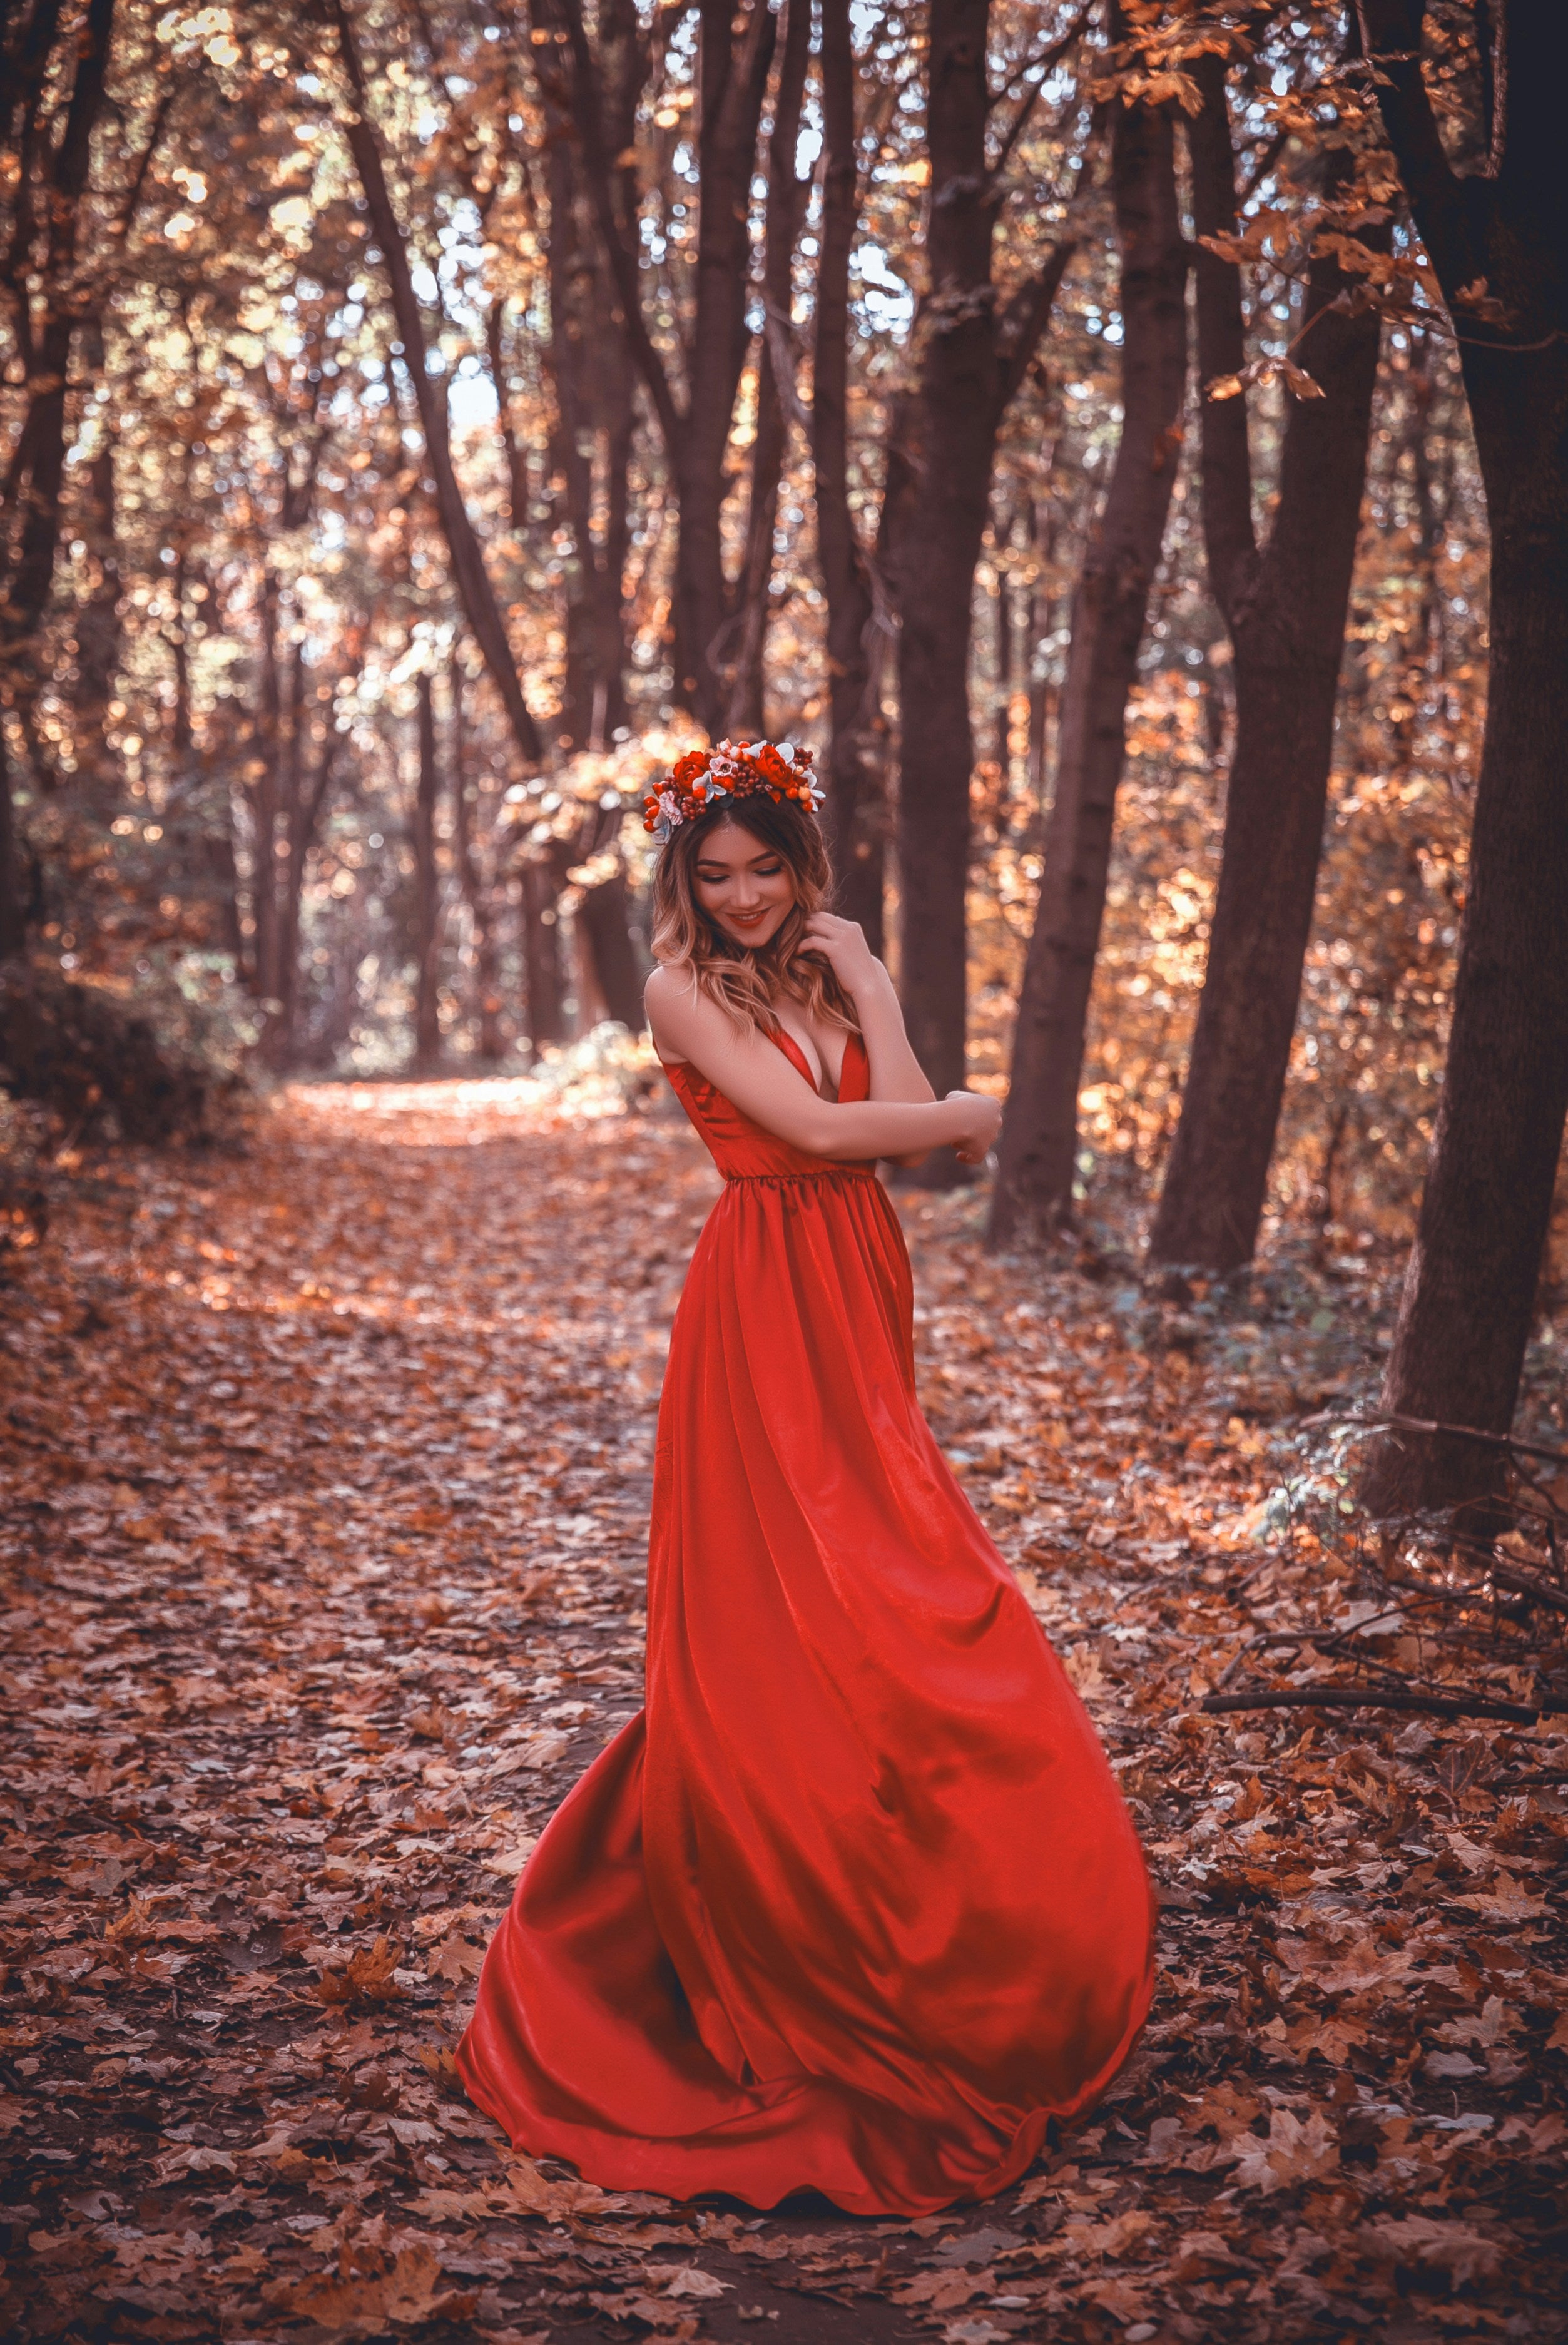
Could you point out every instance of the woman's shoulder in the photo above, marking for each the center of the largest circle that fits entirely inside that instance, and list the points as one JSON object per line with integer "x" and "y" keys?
{"x": 672, "y": 991}
{"x": 678, "y": 1011}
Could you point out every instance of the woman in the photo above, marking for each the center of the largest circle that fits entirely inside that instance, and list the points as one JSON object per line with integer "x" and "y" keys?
{"x": 854, "y": 1903}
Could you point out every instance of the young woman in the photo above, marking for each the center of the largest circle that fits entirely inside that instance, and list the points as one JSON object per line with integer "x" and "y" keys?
{"x": 854, "y": 1904}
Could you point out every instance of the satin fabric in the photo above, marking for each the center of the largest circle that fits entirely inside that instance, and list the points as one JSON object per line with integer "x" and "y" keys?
{"x": 854, "y": 1904}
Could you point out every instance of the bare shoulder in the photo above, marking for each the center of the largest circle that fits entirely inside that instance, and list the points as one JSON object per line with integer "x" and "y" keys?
{"x": 670, "y": 991}
{"x": 675, "y": 1006}
{"x": 668, "y": 980}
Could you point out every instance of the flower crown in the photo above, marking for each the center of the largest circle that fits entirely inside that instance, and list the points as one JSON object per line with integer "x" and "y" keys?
{"x": 735, "y": 769}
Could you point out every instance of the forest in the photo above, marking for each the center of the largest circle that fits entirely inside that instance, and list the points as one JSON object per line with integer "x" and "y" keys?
{"x": 1127, "y": 440}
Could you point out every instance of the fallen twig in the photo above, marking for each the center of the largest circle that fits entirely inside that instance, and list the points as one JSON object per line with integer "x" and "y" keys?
{"x": 1523, "y": 1583}
{"x": 1431, "y": 1705}
{"x": 1431, "y": 1424}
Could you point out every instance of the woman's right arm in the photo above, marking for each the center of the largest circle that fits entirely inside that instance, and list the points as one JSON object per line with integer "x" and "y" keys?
{"x": 754, "y": 1073}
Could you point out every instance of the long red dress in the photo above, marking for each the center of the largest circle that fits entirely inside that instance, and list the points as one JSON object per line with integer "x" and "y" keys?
{"x": 854, "y": 1903}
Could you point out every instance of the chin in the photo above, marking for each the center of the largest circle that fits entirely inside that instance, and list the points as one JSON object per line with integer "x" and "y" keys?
{"x": 754, "y": 939}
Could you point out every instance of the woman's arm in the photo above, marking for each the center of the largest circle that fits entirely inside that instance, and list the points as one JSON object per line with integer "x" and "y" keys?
{"x": 756, "y": 1075}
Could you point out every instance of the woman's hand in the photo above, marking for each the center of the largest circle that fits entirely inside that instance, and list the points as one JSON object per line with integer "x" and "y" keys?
{"x": 842, "y": 945}
{"x": 982, "y": 1121}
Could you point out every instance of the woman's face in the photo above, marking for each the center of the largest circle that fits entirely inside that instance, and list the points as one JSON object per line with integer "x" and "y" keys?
{"x": 743, "y": 884}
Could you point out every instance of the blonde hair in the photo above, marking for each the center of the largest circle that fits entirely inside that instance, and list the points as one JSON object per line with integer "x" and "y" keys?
{"x": 746, "y": 984}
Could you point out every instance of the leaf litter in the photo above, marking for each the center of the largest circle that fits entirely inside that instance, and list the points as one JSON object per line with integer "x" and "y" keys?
{"x": 327, "y": 1476}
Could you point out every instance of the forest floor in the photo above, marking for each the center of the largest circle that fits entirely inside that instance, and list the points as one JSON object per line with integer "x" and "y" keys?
{"x": 328, "y": 1468}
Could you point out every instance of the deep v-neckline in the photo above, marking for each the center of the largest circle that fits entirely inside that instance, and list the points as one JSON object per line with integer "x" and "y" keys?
{"x": 792, "y": 1051}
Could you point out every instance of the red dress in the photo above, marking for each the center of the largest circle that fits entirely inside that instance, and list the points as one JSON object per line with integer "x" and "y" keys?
{"x": 854, "y": 1903}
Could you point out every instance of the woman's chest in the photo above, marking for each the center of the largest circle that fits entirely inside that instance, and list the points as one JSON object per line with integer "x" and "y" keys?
{"x": 821, "y": 1047}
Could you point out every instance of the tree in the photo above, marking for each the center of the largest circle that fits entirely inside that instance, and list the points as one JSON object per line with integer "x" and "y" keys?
{"x": 778, "y": 401}
{"x": 53, "y": 180}
{"x": 426, "y": 884}
{"x": 1284, "y": 604}
{"x": 1497, "y": 238}
{"x": 1039, "y": 1139}
{"x": 856, "y": 814}
{"x": 972, "y": 351}
{"x": 735, "y": 58}
{"x": 480, "y": 605}
{"x": 592, "y": 376}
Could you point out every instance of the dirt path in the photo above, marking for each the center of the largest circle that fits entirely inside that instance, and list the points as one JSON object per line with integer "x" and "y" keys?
{"x": 327, "y": 1480}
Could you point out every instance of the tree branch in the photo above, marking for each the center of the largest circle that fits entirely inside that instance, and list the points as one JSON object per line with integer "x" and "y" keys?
{"x": 587, "y": 115}
{"x": 1441, "y": 201}
{"x": 1428, "y": 1705}
{"x": 1024, "y": 322}
{"x": 1229, "y": 542}
{"x": 1043, "y": 67}
{"x": 471, "y": 580}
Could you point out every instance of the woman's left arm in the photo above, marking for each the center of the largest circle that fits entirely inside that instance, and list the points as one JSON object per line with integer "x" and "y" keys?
{"x": 896, "y": 1072}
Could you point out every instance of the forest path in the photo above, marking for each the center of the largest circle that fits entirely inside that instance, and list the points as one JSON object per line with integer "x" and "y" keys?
{"x": 328, "y": 1468}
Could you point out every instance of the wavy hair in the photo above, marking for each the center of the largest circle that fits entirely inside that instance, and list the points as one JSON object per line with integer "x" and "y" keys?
{"x": 746, "y": 984}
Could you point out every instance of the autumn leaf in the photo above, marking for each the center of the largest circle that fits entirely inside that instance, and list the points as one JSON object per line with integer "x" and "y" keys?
{"x": 409, "y": 2294}
{"x": 368, "y": 1976}
{"x": 1295, "y": 2151}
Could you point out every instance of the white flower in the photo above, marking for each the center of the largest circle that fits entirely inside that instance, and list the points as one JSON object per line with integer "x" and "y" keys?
{"x": 787, "y": 751}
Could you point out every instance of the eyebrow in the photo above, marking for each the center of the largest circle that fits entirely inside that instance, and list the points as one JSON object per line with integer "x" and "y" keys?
{"x": 769, "y": 855}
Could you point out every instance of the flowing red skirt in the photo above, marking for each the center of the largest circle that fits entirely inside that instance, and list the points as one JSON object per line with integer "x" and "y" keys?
{"x": 854, "y": 1904}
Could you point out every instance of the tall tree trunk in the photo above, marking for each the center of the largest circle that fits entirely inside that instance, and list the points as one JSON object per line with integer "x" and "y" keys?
{"x": 856, "y": 796}
{"x": 602, "y": 920}
{"x": 942, "y": 448}
{"x": 1040, "y": 1133}
{"x": 311, "y": 784}
{"x": 181, "y": 736}
{"x": 13, "y": 900}
{"x": 478, "y": 893}
{"x": 285, "y": 876}
{"x": 99, "y": 630}
{"x": 262, "y": 797}
{"x": 1470, "y": 1288}
{"x": 37, "y": 470}
{"x": 1284, "y": 607}
{"x": 426, "y": 886}
{"x": 475, "y": 591}
{"x": 594, "y": 385}
{"x": 542, "y": 958}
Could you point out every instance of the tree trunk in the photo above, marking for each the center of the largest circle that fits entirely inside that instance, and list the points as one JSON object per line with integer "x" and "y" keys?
{"x": 13, "y": 902}
{"x": 776, "y": 398}
{"x": 856, "y": 806}
{"x": 38, "y": 469}
{"x": 307, "y": 803}
{"x": 1470, "y": 1288}
{"x": 263, "y": 802}
{"x": 1039, "y": 1134}
{"x": 471, "y": 580}
{"x": 477, "y": 892}
{"x": 542, "y": 958}
{"x": 595, "y": 387}
{"x": 1284, "y": 607}
{"x": 941, "y": 451}
{"x": 603, "y": 923}
{"x": 99, "y": 630}
{"x": 426, "y": 886}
